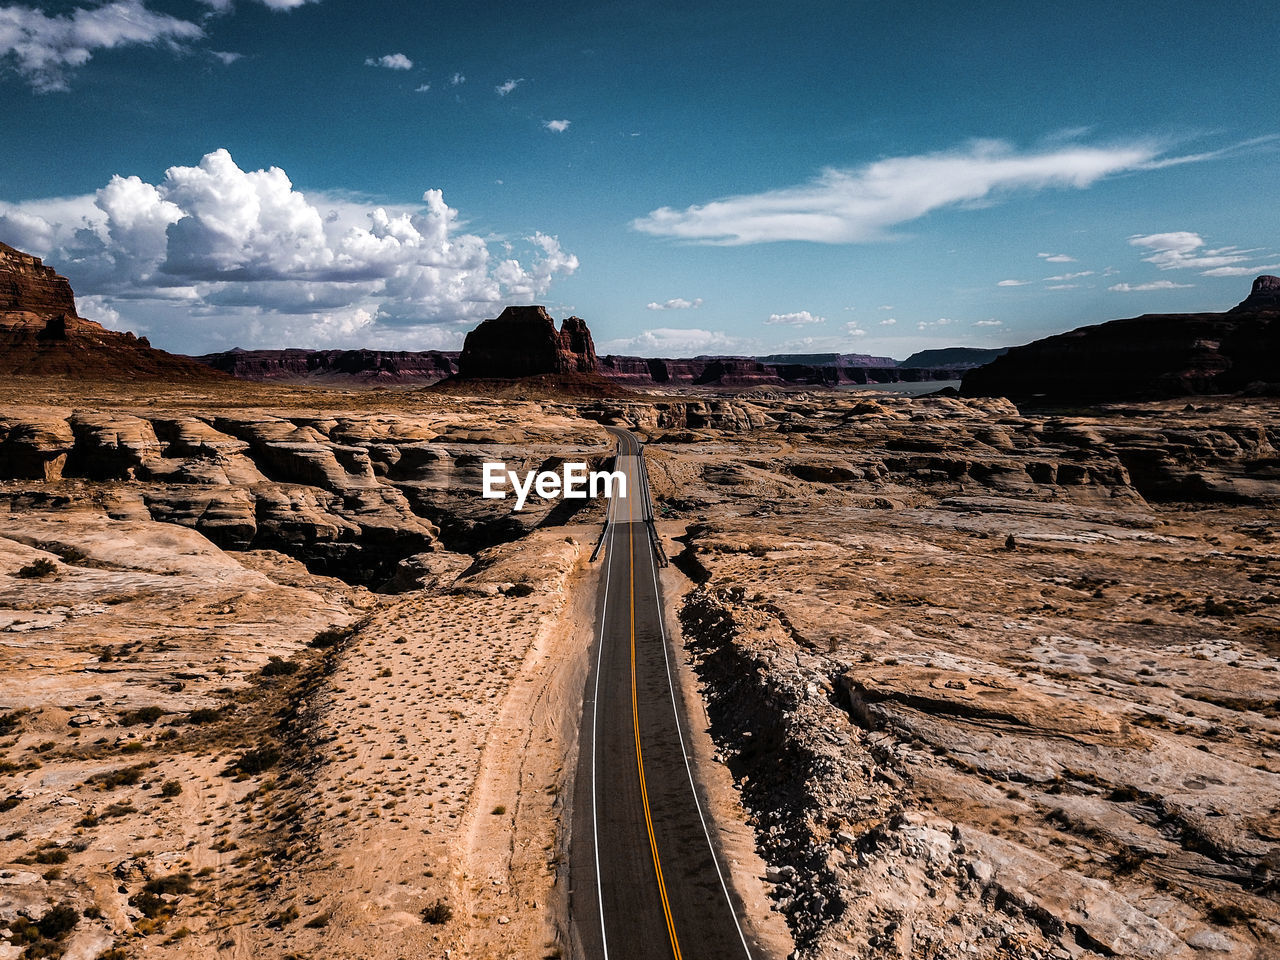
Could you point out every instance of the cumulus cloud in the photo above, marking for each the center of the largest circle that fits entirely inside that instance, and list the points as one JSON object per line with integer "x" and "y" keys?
{"x": 244, "y": 250}
{"x": 992, "y": 322}
{"x": 863, "y": 204}
{"x": 457, "y": 80}
{"x": 1056, "y": 257}
{"x": 888, "y": 321}
{"x": 679, "y": 303}
{"x": 853, "y": 330}
{"x": 506, "y": 87}
{"x": 557, "y": 126}
{"x": 44, "y": 50}
{"x": 1144, "y": 287}
{"x": 802, "y": 318}
{"x": 390, "y": 61}
{"x": 671, "y": 341}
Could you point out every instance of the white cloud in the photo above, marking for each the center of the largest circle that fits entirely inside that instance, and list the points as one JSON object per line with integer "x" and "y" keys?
{"x": 853, "y": 330}
{"x": 44, "y": 49}
{"x": 1013, "y": 283}
{"x": 457, "y": 80}
{"x": 1155, "y": 285}
{"x": 1056, "y": 257}
{"x": 244, "y": 251}
{"x": 226, "y": 57}
{"x": 557, "y": 126}
{"x": 390, "y": 61}
{"x": 1063, "y": 286}
{"x": 679, "y": 303}
{"x": 423, "y": 88}
{"x": 801, "y": 318}
{"x": 888, "y": 322}
{"x": 940, "y": 322}
{"x": 670, "y": 341}
{"x": 506, "y": 87}
{"x": 1183, "y": 250}
{"x": 886, "y": 307}
{"x": 1068, "y": 276}
{"x": 992, "y": 322}
{"x": 861, "y": 205}
{"x": 1241, "y": 271}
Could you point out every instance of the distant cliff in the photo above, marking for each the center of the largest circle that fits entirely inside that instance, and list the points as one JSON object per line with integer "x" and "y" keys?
{"x": 1149, "y": 357}
{"x": 361, "y": 366}
{"x": 954, "y": 358}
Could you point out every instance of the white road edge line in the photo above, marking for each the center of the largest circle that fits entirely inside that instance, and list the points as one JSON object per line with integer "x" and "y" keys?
{"x": 595, "y": 709}
{"x": 671, "y": 685}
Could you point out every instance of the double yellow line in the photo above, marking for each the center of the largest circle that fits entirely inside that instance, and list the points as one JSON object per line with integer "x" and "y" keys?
{"x": 635, "y": 720}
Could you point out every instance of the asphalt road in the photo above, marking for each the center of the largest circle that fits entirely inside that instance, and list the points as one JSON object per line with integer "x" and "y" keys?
{"x": 646, "y": 880}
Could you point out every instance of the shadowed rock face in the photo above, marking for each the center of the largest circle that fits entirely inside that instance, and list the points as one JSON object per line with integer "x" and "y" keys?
{"x": 41, "y": 334}
{"x": 1155, "y": 356}
{"x": 28, "y": 286}
{"x": 524, "y": 342}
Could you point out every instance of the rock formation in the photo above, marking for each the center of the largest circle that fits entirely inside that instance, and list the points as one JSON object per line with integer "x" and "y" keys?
{"x": 333, "y": 366}
{"x": 1153, "y": 356}
{"x": 42, "y": 335}
{"x": 524, "y": 342}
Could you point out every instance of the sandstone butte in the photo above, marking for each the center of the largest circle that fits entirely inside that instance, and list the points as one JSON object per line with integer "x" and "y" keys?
{"x": 42, "y": 335}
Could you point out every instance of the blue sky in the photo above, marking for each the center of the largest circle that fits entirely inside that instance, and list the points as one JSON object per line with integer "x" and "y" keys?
{"x": 690, "y": 177}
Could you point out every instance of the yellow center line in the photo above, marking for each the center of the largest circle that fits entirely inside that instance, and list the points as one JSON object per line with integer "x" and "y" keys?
{"x": 635, "y": 721}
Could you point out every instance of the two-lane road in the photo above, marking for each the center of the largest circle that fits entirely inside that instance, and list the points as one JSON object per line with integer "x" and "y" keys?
{"x": 647, "y": 881}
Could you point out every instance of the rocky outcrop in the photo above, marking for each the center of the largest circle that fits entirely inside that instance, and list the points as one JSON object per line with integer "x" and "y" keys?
{"x": 523, "y": 342}
{"x": 954, "y": 358}
{"x": 1149, "y": 357}
{"x": 336, "y": 366}
{"x": 738, "y": 372}
{"x": 28, "y": 286}
{"x": 41, "y": 334}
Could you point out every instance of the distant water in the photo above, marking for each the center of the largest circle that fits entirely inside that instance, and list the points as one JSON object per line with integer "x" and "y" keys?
{"x": 906, "y": 389}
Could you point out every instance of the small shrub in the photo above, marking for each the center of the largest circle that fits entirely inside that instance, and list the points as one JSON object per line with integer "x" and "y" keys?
{"x": 255, "y": 761}
{"x": 170, "y": 788}
{"x": 175, "y": 883}
{"x": 328, "y": 638}
{"x": 146, "y": 715}
{"x": 276, "y": 667}
{"x": 437, "y": 913}
{"x": 499, "y": 810}
{"x": 120, "y": 777}
{"x": 51, "y": 855}
{"x": 204, "y": 715}
{"x": 38, "y": 569}
{"x": 58, "y": 922}
{"x": 9, "y": 802}
{"x": 318, "y": 922}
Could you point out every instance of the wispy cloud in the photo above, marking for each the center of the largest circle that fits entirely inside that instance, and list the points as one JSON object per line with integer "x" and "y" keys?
{"x": 390, "y": 61}
{"x": 853, "y": 330}
{"x": 423, "y": 88}
{"x": 888, "y": 321}
{"x": 992, "y": 322}
{"x": 1056, "y": 257}
{"x": 557, "y": 126}
{"x": 1145, "y": 287}
{"x": 1014, "y": 283}
{"x": 1183, "y": 250}
{"x": 863, "y": 204}
{"x": 457, "y": 80}
{"x": 44, "y": 50}
{"x": 678, "y": 303}
{"x": 801, "y": 318}
{"x": 1241, "y": 271}
{"x": 506, "y": 87}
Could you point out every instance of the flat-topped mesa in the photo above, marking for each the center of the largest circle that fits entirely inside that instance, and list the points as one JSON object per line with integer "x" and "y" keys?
{"x": 28, "y": 286}
{"x": 1265, "y": 295}
{"x": 524, "y": 342}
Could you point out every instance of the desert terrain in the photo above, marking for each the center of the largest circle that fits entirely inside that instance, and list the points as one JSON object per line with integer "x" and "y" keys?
{"x": 978, "y": 682}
